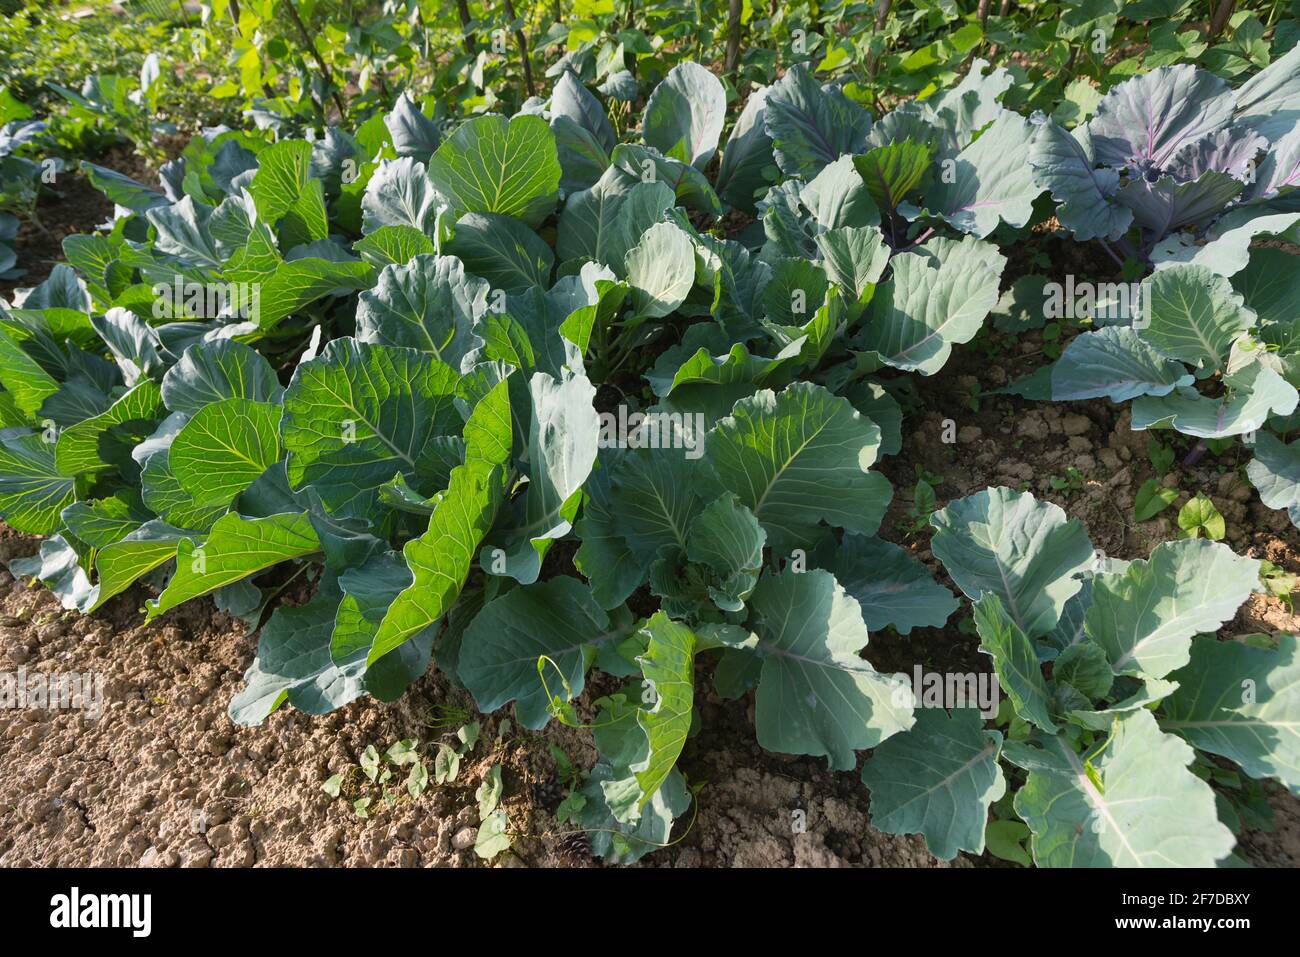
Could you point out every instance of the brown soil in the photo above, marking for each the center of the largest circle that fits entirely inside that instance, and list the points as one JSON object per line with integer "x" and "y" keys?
{"x": 68, "y": 206}
{"x": 164, "y": 778}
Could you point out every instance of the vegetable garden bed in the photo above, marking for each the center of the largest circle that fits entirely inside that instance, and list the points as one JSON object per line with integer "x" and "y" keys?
{"x": 626, "y": 476}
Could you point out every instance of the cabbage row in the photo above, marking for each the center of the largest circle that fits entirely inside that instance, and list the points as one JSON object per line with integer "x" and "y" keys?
{"x": 506, "y": 394}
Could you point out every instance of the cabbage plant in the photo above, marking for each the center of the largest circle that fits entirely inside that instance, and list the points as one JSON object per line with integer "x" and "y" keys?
{"x": 1177, "y": 166}
{"x": 509, "y": 398}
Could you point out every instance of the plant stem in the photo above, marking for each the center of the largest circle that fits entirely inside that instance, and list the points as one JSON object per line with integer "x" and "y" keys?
{"x": 1003, "y": 9}
{"x": 882, "y": 15}
{"x": 1127, "y": 249}
{"x": 1221, "y": 16}
{"x": 468, "y": 39}
{"x": 1069, "y": 64}
{"x": 320, "y": 61}
{"x": 921, "y": 238}
{"x": 1111, "y": 253}
{"x": 734, "y": 9}
{"x": 522, "y": 42}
